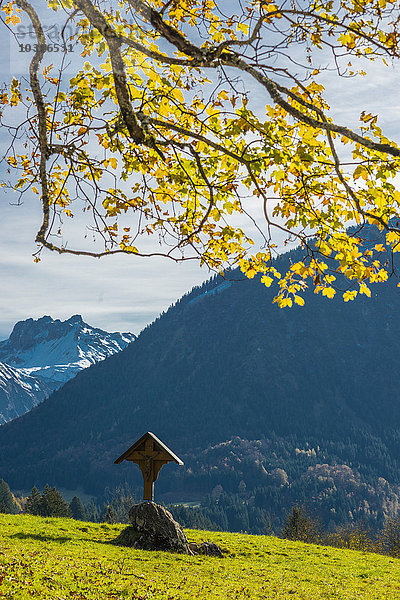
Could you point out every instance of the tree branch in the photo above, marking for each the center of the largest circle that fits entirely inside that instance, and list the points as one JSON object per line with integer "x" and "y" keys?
{"x": 41, "y": 111}
{"x": 121, "y": 87}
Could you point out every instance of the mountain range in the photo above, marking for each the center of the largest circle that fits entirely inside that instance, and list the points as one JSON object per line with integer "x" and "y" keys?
{"x": 41, "y": 355}
{"x": 267, "y": 407}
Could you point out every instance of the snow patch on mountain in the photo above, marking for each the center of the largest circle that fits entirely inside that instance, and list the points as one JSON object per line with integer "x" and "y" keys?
{"x": 41, "y": 355}
{"x": 19, "y": 392}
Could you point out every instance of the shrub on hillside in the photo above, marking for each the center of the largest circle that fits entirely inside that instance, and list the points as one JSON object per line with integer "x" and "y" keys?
{"x": 352, "y": 537}
{"x": 389, "y": 540}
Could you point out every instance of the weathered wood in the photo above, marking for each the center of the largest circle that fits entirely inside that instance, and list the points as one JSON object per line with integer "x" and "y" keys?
{"x": 150, "y": 454}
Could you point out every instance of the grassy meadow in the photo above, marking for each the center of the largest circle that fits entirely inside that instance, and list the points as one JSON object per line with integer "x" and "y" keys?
{"x": 66, "y": 559}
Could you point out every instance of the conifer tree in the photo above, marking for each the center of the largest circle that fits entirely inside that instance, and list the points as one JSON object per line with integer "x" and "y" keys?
{"x": 33, "y": 502}
{"x": 48, "y": 504}
{"x": 110, "y": 516}
{"x": 300, "y": 526}
{"x": 53, "y": 504}
{"x": 77, "y": 509}
{"x": 7, "y": 504}
{"x": 92, "y": 512}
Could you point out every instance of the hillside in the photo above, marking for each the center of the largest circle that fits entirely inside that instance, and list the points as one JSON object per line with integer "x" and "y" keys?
{"x": 272, "y": 406}
{"x": 61, "y": 558}
{"x": 41, "y": 355}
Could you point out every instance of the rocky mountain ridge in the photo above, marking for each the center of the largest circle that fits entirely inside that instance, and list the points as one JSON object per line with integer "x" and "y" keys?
{"x": 41, "y": 355}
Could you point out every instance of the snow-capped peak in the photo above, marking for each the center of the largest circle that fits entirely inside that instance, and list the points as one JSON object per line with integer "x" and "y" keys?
{"x": 53, "y": 351}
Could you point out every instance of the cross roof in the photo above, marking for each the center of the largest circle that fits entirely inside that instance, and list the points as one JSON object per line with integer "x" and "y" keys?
{"x": 159, "y": 446}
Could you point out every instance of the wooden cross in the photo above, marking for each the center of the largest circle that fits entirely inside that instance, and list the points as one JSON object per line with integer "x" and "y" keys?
{"x": 150, "y": 454}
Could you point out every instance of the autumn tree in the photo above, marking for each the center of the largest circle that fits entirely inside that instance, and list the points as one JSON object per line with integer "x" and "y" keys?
{"x": 181, "y": 112}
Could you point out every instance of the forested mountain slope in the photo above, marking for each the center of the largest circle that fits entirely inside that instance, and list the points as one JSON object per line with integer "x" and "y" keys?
{"x": 241, "y": 390}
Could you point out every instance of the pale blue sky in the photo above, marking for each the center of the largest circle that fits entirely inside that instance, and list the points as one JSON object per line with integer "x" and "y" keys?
{"x": 120, "y": 293}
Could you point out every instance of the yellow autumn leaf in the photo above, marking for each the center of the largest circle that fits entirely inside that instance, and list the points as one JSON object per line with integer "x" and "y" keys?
{"x": 364, "y": 289}
{"x": 299, "y": 300}
{"x": 329, "y": 292}
{"x": 177, "y": 94}
{"x": 266, "y": 280}
{"x": 243, "y": 27}
{"x": 393, "y": 237}
{"x": 349, "y": 295}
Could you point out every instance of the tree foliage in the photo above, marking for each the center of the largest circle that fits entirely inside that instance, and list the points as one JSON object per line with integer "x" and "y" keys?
{"x": 181, "y": 112}
{"x": 300, "y": 526}
{"x": 32, "y": 506}
{"x": 48, "y": 504}
{"x": 390, "y": 537}
{"x": 7, "y": 504}
{"x": 77, "y": 509}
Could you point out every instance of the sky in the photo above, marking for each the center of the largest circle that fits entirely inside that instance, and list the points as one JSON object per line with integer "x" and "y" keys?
{"x": 119, "y": 293}
{"x": 125, "y": 293}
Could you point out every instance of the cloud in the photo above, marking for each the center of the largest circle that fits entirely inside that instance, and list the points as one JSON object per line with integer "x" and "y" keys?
{"x": 115, "y": 293}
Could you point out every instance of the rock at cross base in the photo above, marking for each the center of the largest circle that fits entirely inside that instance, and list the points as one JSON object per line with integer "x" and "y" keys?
{"x": 153, "y": 528}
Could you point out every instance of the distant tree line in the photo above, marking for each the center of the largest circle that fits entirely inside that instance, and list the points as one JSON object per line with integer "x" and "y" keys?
{"x": 276, "y": 412}
{"x": 50, "y": 503}
{"x": 225, "y": 513}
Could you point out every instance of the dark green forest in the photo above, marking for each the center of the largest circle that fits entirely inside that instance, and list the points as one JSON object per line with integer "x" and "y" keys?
{"x": 267, "y": 407}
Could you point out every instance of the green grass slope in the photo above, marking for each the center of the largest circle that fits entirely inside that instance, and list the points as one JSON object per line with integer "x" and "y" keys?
{"x": 66, "y": 559}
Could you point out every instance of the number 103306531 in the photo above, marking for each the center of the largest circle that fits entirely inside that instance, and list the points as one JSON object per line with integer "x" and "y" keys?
{"x": 47, "y": 48}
